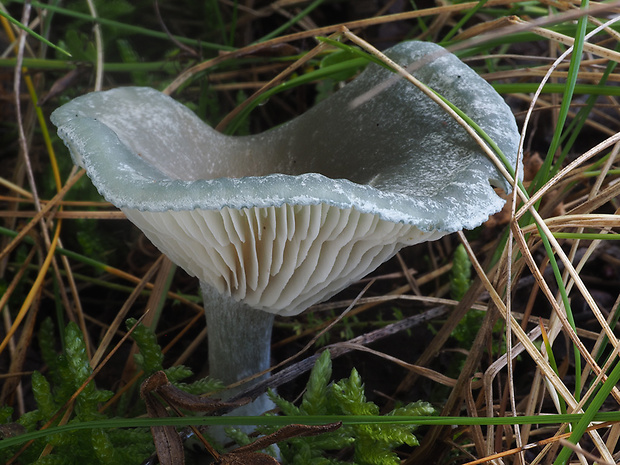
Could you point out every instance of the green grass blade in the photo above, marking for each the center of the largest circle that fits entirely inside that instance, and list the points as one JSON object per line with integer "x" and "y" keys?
{"x": 457, "y": 27}
{"x": 315, "y": 420}
{"x": 32, "y": 33}
{"x": 567, "y": 96}
{"x": 590, "y": 414}
{"x": 294, "y": 20}
{"x": 129, "y": 28}
{"x": 552, "y": 88}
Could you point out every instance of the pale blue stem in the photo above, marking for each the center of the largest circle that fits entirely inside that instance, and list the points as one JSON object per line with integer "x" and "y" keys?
{"x": 239, "y": 343}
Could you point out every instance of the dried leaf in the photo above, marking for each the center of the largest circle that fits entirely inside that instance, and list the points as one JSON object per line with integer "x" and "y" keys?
{"x": 158, "y": 383}
{"x": 168, "y": 443}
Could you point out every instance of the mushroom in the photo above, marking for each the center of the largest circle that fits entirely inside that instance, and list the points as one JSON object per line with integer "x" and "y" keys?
{"x": 275, "y": 222}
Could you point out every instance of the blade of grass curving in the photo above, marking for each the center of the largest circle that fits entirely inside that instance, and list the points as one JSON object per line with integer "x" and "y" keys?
{"x": 486, "y": 138}
{"x": 309, "y": 420}
{"x": 552, "y": 361}
{"x": 582, "y": 288}
{"x": 32, "y": 33}
{"x": 273, "y": 83}
{"x": 56, "y": 175}
{"x": 130, "y": 28}
{"x": 355, "y": 51}
{"x": 233, "y": 24}
{"x": 574, "y": 128}
{"x": 586, "y": 236}
{"x": 589, "y": 415}
{"x": 420, "y": 21}
{"x": 597, "y": 149}
{"x": 41, "y": 64}
{"x": 22, "y": 234}
{"x": 614, "y": 317}
{"x": 355, "y": 24}
{"x": 544, "y": 176}
{"x": 521, "y": 190}
{"x": 567, "y": 96}
{"x": 215, "y": 22}
{"x": 468, "y": 14}
{"x": 565, "y": 302}
{"x": 98, "y": 46}
{"x": 534, "y": 352}
{"x": 40, "y": 116}
{"x": 487, "y": 144}
{"x": 552, "y": 88}
{"x": 305, "y": 78}
{"x": 294, "y": 20}
{"x": 187, "y": 300}
{"x": 34, "y": 290}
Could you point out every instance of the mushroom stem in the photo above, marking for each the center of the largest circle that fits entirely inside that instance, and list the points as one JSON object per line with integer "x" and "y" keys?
{"x": 239, "y": 337}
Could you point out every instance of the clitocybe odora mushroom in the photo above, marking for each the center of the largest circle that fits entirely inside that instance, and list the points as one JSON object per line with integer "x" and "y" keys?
{"x": 275, "y": 222}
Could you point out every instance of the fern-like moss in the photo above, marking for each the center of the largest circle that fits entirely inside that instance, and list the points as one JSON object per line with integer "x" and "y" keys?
{"x": 373, "y": 444}
{"x": 67, "y": 372}
{"x": 460, "y": 274}
{"x": 150, "y": 359}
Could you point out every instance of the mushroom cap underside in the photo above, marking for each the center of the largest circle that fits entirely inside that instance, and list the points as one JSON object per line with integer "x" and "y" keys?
{"x": 278, "y": 259}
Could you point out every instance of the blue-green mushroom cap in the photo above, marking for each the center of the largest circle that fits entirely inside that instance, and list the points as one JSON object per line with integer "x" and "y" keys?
{"x": 287, "y": 218}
